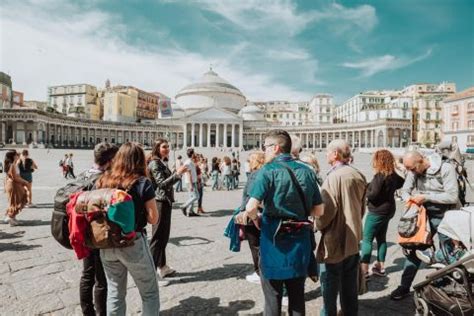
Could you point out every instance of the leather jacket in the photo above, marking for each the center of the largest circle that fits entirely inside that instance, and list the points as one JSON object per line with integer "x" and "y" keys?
{"x": 163, "y": 180}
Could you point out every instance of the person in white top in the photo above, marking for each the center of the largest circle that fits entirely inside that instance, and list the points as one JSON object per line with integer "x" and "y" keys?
{"x": 179, "y": 184}
{"x": 192, "y": 184}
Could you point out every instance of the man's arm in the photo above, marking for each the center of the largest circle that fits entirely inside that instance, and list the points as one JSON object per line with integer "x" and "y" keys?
{"x": 330, "y": 207}
{"x": 408, "y": 186}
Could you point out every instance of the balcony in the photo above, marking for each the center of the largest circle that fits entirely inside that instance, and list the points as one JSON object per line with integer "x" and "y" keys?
{"x": 455, "y": 113}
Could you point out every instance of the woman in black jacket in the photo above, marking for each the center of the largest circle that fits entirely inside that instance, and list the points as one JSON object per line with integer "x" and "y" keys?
{"x": 163, "y": 180}
{"x": 381, "y": 204}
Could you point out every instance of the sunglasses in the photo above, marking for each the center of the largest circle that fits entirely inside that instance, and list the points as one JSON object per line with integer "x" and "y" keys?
{"x": 264, "y": 147}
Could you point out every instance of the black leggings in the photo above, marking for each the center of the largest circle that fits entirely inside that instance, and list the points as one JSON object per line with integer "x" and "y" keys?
{"x": 161, "y": 234}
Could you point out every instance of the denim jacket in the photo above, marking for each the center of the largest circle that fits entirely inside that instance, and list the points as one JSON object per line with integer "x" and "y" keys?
{"x": 163, "y": 180}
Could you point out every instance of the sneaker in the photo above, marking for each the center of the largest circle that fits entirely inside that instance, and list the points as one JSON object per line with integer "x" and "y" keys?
{"x": 399, "y": 293}
{"x": 253, "y": 278}
{"x": 284, "y": 301}
{"x": 6, "y": 220}
{"x": 425, "y": 255}
{"x": 183, "y": 209}
{"x": 166, "y": 271}
{"x": 378, "y": 272}
{"x": 192, "y": 214}
{"x": 14, "y": 222}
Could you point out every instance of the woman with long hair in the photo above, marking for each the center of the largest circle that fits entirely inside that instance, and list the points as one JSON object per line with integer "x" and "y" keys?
{"x": 128, "y": 172}
{"x": 27, "y": 166}
{"x": 163, "y": 180}
{"x": 381, "y": 205}
{"x": 252, "y": 233}
{"x": 15, "y": 188}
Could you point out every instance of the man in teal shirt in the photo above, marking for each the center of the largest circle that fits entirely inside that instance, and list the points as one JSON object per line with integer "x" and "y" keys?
{"x": 285, "y": 248}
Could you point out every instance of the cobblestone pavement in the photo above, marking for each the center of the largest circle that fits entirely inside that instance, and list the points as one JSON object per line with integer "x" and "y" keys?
{"x": 38, "y": 276}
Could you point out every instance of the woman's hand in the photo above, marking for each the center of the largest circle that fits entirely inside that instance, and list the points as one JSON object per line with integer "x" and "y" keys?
{"x": 181, "y": 170}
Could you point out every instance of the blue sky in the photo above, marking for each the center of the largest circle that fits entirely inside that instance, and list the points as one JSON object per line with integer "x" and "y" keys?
{"x": 269, "y": 49}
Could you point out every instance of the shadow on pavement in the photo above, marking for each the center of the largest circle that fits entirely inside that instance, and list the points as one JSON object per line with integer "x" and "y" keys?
{"x": 396, "y": 266}
{"x": 41, "y": 205}
{"x": 228, "y": 271}
{"x": 189, "y": 241}
{"x": 220, "y": 213}
{"x": 379, "y": 305}
{"x": 34, "y": 222}
{"x": 16, "y": 247}
{"x": 5, "y": 235}
{"x": 313, "y": 294}
{"x": 195, "y": 305}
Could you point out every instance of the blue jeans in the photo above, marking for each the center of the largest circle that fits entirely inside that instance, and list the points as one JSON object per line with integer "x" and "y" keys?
{"x": 179, "y": 186}
{"x": 137, "y": 260}
{"x": 215, "y": 181}
{"x": 340, "y": 278}
{"x": 228, "y": 182}
{"x": 412, "y": 263}
{"x": 193, "y": 197}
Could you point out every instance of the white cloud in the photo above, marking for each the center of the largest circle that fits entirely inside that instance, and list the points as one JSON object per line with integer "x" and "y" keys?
{"x": 51, "y": 43}
{"x": 371, "y": 66}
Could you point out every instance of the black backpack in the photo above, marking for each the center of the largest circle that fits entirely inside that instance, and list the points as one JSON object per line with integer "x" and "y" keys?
{"x": 59, "y": 219}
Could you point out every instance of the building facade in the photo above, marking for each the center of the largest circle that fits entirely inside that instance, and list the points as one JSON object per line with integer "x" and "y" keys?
{"x": 120, "y": 105}
{"x": 372, "y": 106}
{"x": 78, "y": 100}
{"x": 321, "y": 108}
{"x": 458, "y": 118}
{"x": 427, "y": 110}
{"x": 6, "y": 97}
{"x": 211, "y": 113}
{"x": 18, "y": 99}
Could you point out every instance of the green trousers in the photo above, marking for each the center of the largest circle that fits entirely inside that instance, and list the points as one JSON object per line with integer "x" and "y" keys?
{"x": 375, "y": 227}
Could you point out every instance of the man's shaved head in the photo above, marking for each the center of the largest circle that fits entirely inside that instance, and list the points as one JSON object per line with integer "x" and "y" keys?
{"x": 414, "y": 161}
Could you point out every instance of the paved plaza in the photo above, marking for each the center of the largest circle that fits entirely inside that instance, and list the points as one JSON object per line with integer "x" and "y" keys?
{"x": 38, "y": 276}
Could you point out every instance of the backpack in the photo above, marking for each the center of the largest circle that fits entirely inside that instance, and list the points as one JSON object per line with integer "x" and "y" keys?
{"x": 461, "y": 176}
{"x": 61, "y": 163}
{"x": 414, "y": 231}
{"x": 100, "y": 219}
{"x": 59, "y": 218}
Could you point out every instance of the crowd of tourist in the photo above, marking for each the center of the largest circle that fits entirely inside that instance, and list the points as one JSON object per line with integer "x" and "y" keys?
{"x": 284, "y": 203}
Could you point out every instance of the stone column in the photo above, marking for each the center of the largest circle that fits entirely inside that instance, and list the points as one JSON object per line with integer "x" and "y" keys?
{"x": 200, "y": 135}
{"x": 233, "y": 136}
{"x": 193, "y": 133}
{"x": 185, "y": 136}
{"x": 225, "y": 135}
{"x": 241, "y": 135}
{"x": 217, "y": 136}
{"x": 35, "y": 136}
{"x": 208, "y": 145}
{"x": 261, "y": 140}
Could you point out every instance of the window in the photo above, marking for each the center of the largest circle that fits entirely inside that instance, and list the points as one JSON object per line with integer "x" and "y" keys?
{"x": 470, "y": 139}
{"x": 428, "y": 116}
{"x": 470, "y": 124}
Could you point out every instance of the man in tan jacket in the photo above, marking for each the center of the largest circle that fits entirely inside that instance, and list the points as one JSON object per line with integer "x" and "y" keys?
{"x": 343, "y": 195}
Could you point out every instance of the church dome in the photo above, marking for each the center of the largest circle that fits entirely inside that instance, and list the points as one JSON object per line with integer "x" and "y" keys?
{"x": 210, "y": 90}
{"x": 252, "y": 113}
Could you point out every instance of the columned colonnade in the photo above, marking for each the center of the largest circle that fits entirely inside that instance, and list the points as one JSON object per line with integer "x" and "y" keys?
{"x": 213, "y": 135}
{"x": 33, "y": 126}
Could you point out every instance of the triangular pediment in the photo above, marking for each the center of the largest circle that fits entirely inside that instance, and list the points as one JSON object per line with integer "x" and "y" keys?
{"x": 213, "y": 114}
